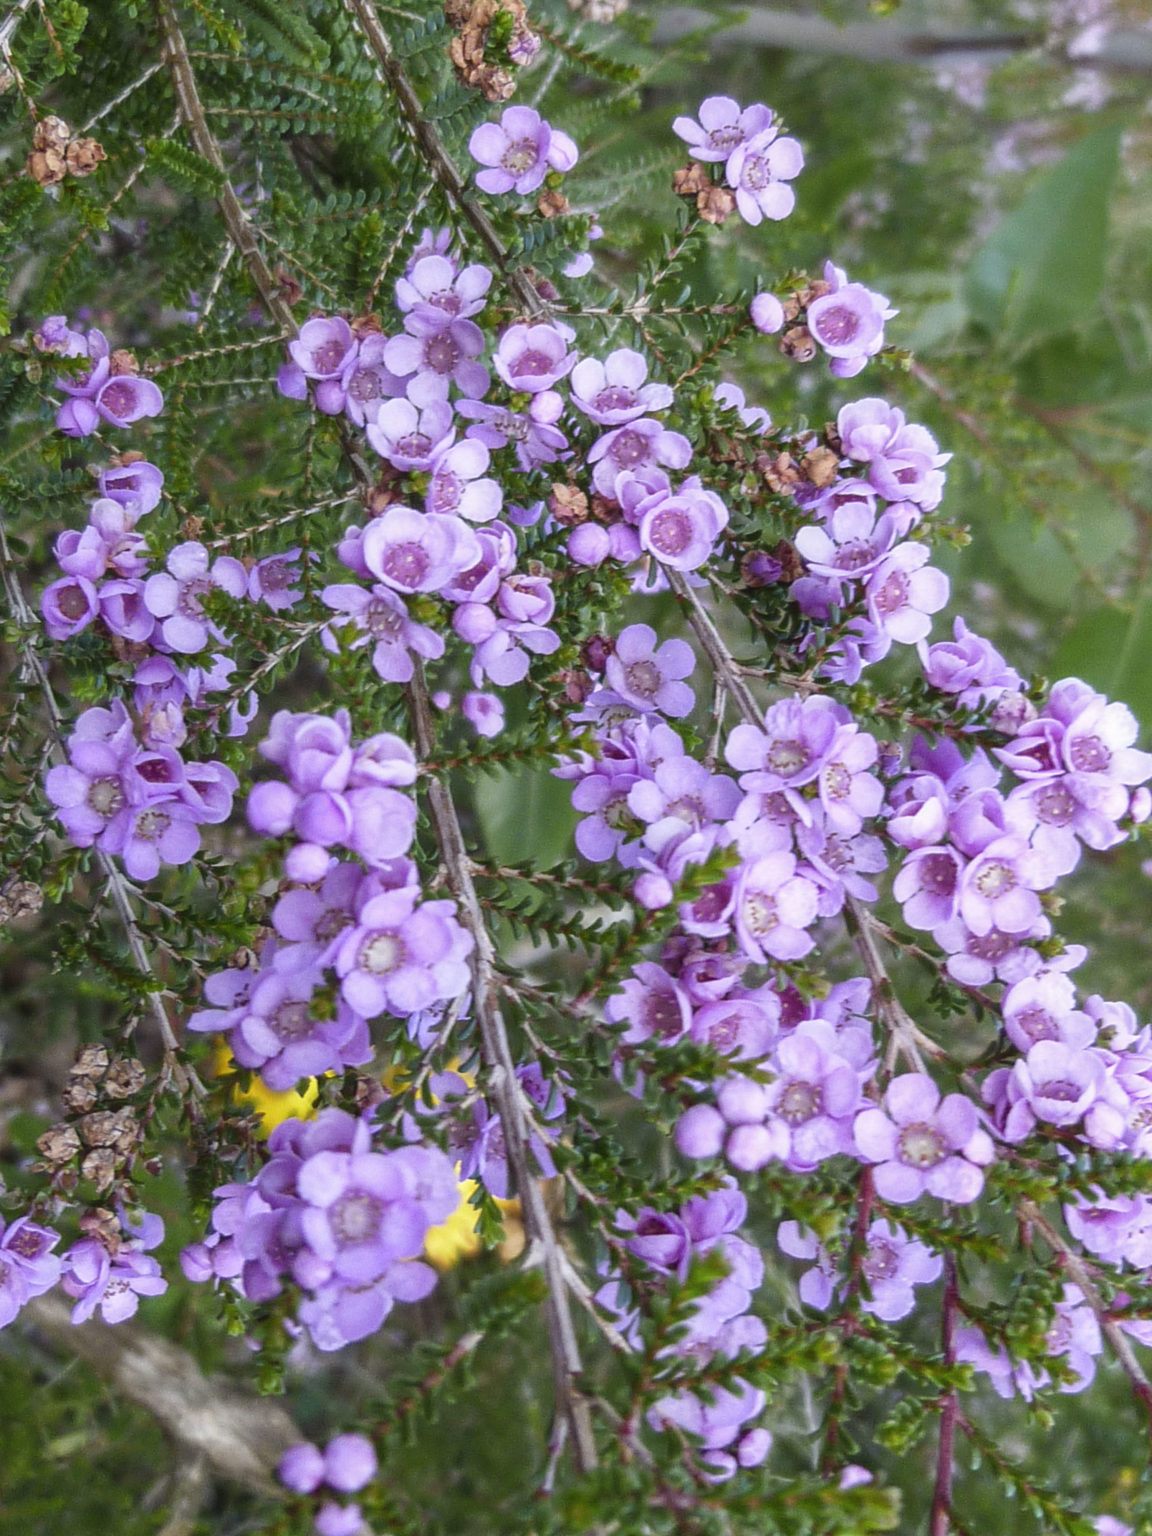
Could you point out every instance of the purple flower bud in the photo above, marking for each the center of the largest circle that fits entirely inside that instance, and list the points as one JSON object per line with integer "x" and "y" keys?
{"x": 767, "y": 313}
{"x": 302, "y": 1468}
{"x": 349, "y": 1463}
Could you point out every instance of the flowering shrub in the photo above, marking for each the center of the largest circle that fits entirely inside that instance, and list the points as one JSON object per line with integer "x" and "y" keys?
{"x": 501, "y": 526}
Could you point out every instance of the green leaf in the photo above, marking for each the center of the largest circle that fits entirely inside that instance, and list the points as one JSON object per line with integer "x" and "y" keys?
{"x": 526, "y": 817}
{"x": 1110, "y": 649}
{"x": 1042, "y": 268}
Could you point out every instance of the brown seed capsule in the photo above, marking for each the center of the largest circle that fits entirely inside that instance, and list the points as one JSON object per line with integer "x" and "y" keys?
{"x": 46, "y": 166}
{"x": 104, "y": 1226}
{"x": 568, "y": 504}
{"x": 780, "y": 472}
{"x": 84, "y": 155}
{"x": 51, "y": 133}
{"x": 690, "y": 180}
{"x": 79, "y": 1096}
{"x": 791, "y": 564}
{"x": 58, "y": 1145}
{"x": 192, "y": 526}
{"x": 100, "y": 1167}
{"x": 366, "y": 325}
{"x": 289, "y": 289}
{"x": 92, "y": 1061}
{"x": 123, "y": 362}
{"x": 21, "y": 898}
{"x": 577, "y": 685}
{"x": 821, "y": 466}
{"x": 551, "y": 204}
{"x": 799, "y": 344}
{"x": 125, "y": 1078}
{"x": 715, "y": 204}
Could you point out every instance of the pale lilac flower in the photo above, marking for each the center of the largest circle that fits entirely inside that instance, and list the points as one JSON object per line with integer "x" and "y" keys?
{"x": 126, "y": 398}
{"x": 637, "y": 445}
{"x": 431, "y": 363}
{"x": 28, "y": 1267}
{"x": 68, "y": 606}
{"x": 456, "y": 484}
{"x": 759, "y": 170}
{"x": 436, "y": 290}
{"x": 366, "y": 382}
{"x": 848, "y": 322}
{"x": 416, "y": 551}
{"x": 484, "y": 712}
{"x": 793, "y": 748}
{"x": 174, "y": 596}
{"x": 903, "y": 591}
{"x": 615, "y": 391}
{"x": 273, "y": 581}
{"x": 730, "y": 397}
{"x": 648, "y": 677}
{"x": 136, "y": 486}
{"x": 722, "y": 128}
{"x": 922, "y": 1143}
{"x": 903, "y": 461}
{"x": 382, "y": 619}
{"x": 401, "y": 956}
{"x": 411, "y": 439}
{"x": 520, "y": 150}
{"x": 324, "y": 347}
{"x": 775, "y": 905}
{"x": 534, "y": 358}
{"x": 680, "y": 527}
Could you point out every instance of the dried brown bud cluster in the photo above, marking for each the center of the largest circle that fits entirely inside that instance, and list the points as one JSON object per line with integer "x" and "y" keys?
{"x": 102, "y": 1138}
{"x": 490, "y": 35}
{"x": 568, "y": 504}
{"x": 56, "y": 154}
{"x": 714, "y": 203}
{"x": 19, "y": 898}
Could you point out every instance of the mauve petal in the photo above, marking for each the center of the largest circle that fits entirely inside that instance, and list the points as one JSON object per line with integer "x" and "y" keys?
{"x": 954, "y": 1179}
{"x": 323, "y": 1178}
{"x": 487, "y": 145}
{"x": 875, "y": 1136}
{"x": 911, "y": 1097}
{"x": 898, "y": 1183}
{"x": 957, "y": 1119}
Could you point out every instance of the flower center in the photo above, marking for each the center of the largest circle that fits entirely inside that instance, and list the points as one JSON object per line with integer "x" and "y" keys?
{"x": 996, "y": 879}
{"x": 276, "y": 575}
{"x": 800, "y": 1102}
{"x": 356, "y": 1218}
{"x": 382, "y": 622}
{"x": 881, "y": 1261}
{"x": 405, "y": 564}
{"x": 670, "y": 532}
{"x": 106, "y": 796}
{"x": 118, "y": 398}
{"x": 893, "y": 594}
{"x": 727, "y": 138}
{"x": 1055, "y": 806}
{"x": 922, "y": 1146}
{"x": 381, "y": 953}
{"x": 191, "y": 593}
{"x": 1060, "y": 1089}
{"x": 663, "y": 1016}
{"x": 837, "y": 325}
{"x": 152, "y": 825}
{"x": 441, "y": 353}
{"x": 786, "y": 758}
{"x": 756, "y": 175}
{"x": 1037, "y": 1024}
{"x": 327, "y": 357}
{"x": 1089, "y": 755}
{"x": 364, "y": 384}
{"x": 615, "y": 397}
{"x": 630, "y": 449}
{"x": 760, "y": 914}
{"x": 291, "y": 1021}
{"x": 938, "y": 874}
{"x": 724, "y": 1034}
{"x": 520, "y": 156}
{"x": 643, "y": 677}
{"x": 72, "y": 603}
{"x": 837, "y": 781}
{"x": 992, "y": 945}
{"x": 447, "y": 490}
{"x": 417, "y": 445}
{"x": 533, "y": 365}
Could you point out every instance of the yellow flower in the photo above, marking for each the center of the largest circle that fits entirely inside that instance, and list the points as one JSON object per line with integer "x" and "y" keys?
{"x": 273, "y": 1107}
{"x": 456, "y": 1238}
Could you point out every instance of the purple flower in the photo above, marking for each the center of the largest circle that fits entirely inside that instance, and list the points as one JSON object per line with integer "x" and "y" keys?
{"x": 534, "y": 432}
{"x": 903, "y": 461}
{"x": 793, "y": 748}
{"x": 534, "y": 358}
{"x": 758, "y": 171}
{"x": 455, "y": 484}
{"x": 520, "y": 149}
{"x": 125, "y": 398}
{"x": 28, "y": 1267}
{"x": 430, "y": 363}
{"x": 767, "y": 314}
{"x": 136, "y": 486}
{"x": 484, "y": 712}
{"x": 903, "y": 591}
{"x": 381, "y": 617}
{"x": 649, "y": 678}
{"x": 273, "y": 581}
{"x": 349, "y": 1463}
{"x": 301, "y": 1468}
{"x": 722, "y": 128}
{"x": 921, "y": 1142}
{"x": 95, "y": 1278}
{"x": 637, "y": 445}
{"x": 402, "y": 957}
{"x": 774, "y": 907}
{"x": 893, "y": 1265}
{"x": 174, "y": 597}
{"x": 417, "y": 552}
{"x": 324, "y": 348}
{"x": 681, "y": 527}
{"x": 435, "y": 290}
{"x": 68, "y": 606}
{"x": 848, "y": 322}
{"x": 408, "y": 438}
{"x": 614, "y": 391}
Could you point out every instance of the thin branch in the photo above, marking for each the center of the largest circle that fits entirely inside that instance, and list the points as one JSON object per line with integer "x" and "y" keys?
{"x": 941, "y": 1518}
{"x": 432, "y": 149}
{"x": 1111, "y": 1329}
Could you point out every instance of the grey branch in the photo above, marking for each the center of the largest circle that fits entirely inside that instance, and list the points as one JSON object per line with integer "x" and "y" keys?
{"x": 238, "y": 1436}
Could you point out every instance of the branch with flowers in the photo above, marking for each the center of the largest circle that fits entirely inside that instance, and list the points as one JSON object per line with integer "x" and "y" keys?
{"x": 580, "y": 558}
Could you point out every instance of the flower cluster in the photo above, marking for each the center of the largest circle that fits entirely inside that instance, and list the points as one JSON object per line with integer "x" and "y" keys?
{"x": 719, "y": 1325}
{"x": 845, "y": 320}
{"x": 758, "y": 163}
{"x": 347, "y": 1464}
{"x": 340, "y": 1220}
{"x": 105, "y": 387}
